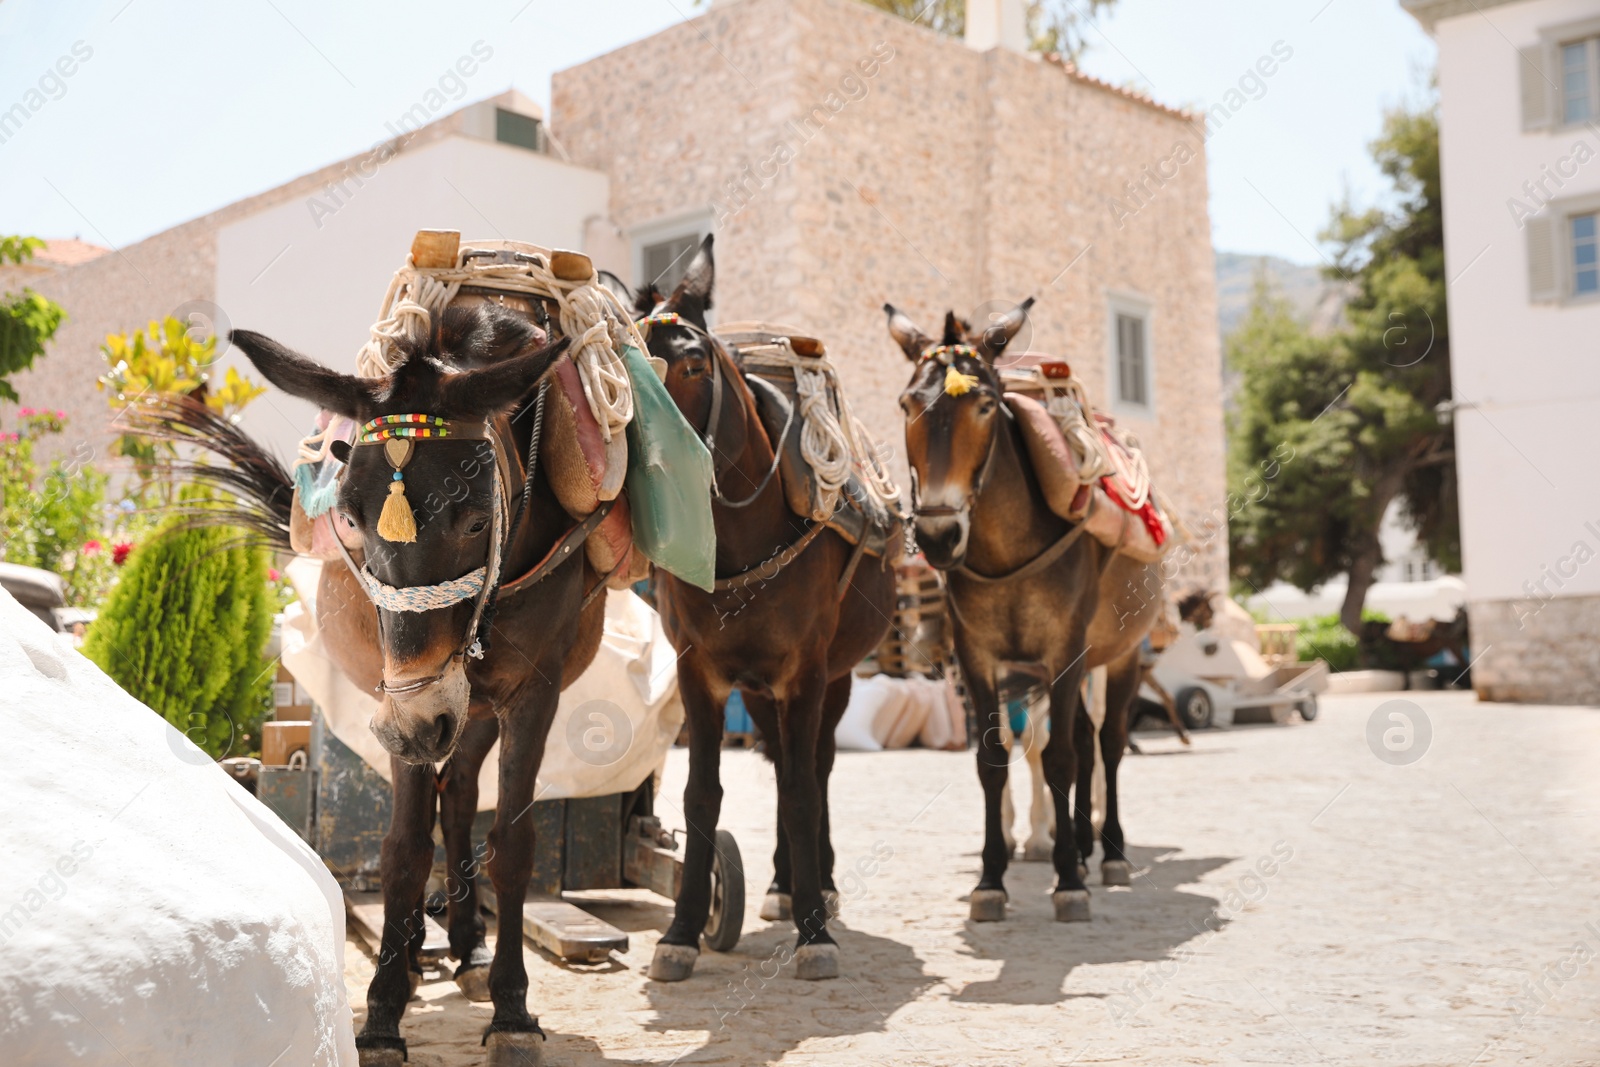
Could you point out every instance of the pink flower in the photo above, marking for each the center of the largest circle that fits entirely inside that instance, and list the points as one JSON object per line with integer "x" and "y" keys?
{"x": 91, "y": 547}
{"x": 272, "y": 574}
{"x": 25, "y": 412}
{"x": 119, "y": 552}
{"x": 61, "y": 414}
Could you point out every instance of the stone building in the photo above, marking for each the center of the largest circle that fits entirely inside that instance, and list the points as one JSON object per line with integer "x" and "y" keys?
{"x": 844, "y": 157}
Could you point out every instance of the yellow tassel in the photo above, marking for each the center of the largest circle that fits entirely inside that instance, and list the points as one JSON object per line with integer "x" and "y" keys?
{"x": 956, "y": 383}
{"x": 397, "y": 523}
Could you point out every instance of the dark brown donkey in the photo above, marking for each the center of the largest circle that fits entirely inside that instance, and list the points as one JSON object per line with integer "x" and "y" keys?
{"x": 1026, "y": 588}
{"x": 778, "y": 627}
{"x": 476, "y": 367}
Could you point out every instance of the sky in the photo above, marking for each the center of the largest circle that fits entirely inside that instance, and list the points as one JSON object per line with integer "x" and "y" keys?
{"x": 177, "y": 107}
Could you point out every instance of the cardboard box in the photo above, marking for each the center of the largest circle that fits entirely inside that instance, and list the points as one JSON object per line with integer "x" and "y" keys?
{"x": 280, "y": 740}
{"x": 290, "y": 701}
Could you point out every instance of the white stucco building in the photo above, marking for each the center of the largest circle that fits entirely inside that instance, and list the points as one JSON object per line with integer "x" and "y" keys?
{"x": 307, "y": 262}
{"x": 1519, "y": 85}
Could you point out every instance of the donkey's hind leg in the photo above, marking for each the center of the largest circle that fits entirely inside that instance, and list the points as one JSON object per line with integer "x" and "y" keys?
{"x": 988, "y": 900}
{"x": 834, "y": 701}
{"x": 1071, "y": 896}
{"x": 458, "y": 806}
{"x": 404, "y": 863}
{"x": 777, "y": 905}
{"x": 1122, "y": 686}
{"x": 1041, "y": 812}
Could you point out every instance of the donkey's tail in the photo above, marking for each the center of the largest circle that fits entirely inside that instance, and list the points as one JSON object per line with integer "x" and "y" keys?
{"x": 251, "y": 490}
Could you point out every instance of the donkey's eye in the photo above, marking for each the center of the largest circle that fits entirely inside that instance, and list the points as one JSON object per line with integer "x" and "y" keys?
{"x": 477, "y": 526}
{"x": 986, "y": 406}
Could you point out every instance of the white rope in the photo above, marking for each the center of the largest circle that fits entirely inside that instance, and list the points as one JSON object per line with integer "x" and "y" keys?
{"x": 832, "y": 440}
{"x": 424, "y": 597}
{"x": 587, "y": 312}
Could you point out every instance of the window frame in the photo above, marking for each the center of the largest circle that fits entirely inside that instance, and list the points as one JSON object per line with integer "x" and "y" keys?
{"x": 1136, "y": 306}
{"x": 696, "y": 225}
{"x": 1552, "y": 42}
{"x": 1569, "y": 249}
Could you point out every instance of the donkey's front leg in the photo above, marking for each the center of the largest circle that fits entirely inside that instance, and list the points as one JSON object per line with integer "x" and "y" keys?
{"x": 988, "y": 901}
{"x": 513, "y": 1036}
{"x": 1071, "y": 897}
{"x": 458, "y": 806}
{"x": 800, "y": 807}
{"x": 703, "y": 700}
{"x": 404, "y": 863}
{"x": 1122, "y": 687}
{"x": 1041, "y": 812}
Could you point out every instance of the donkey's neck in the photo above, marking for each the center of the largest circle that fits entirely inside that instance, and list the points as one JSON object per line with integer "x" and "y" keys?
{"x": 1011, "y": 523}
{"x": 750, "y": 535}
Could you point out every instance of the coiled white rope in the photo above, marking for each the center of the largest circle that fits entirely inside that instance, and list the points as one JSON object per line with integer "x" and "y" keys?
{"x": 587, "y": 312}
{"x": 833, "y": 441}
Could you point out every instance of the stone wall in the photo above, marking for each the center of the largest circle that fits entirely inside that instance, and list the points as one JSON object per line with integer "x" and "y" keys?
{"x": 852, "y": 158}
{"x": 1530, "y": 652}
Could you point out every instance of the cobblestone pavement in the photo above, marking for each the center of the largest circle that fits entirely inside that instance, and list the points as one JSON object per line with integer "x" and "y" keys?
{"x": 1301, "y": 900}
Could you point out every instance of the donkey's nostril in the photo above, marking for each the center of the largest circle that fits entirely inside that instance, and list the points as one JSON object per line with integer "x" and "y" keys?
{"x": 445, "y": 724}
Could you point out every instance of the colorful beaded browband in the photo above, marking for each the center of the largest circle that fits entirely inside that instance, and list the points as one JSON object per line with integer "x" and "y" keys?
{"x": 386, "y": 427}
{"x": 945, "y": 353}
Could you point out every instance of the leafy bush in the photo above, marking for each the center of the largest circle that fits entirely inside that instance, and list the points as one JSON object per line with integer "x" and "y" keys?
{"x": 185, "y": 632}
{"x": 1325, "y": 637}
{"x": 56, "y": 519}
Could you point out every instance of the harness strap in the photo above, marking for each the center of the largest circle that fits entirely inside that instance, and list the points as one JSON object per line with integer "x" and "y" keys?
{"x": 559, "y": 551}
{"x": 1037, "y": 563}
{"x": 850, "y": 568}
{"x": 771, "y": 566}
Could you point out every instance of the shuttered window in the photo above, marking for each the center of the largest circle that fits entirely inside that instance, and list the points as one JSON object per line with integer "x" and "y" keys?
{"x": 1133, "y": 367}
{"x": 1577, "y": 81}
{"x": 1585, "y": 266}
{"x": 665, "y": 261}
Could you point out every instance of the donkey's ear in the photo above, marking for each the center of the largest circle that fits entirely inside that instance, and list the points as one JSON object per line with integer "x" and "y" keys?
{"x": 480, "y": 336}
{"x": 955, "y": 329}
{"x": 998, "y": 334}
{"x": 498, "y": 387}
{"x": 912, "y": 341}
{"x": 692, "y": 297}
{"x": 647, "y": 298}
{"x": 616, "y": 287}
{"x": 342, "y": 394}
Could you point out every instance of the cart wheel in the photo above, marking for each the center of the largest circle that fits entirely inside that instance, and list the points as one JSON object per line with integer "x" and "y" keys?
{"x": 726, "y": 920}
{"x": 1194, "y": 707}
{"x": 1308, "y": 708}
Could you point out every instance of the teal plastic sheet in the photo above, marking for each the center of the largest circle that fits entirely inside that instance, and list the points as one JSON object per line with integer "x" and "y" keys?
{"x": 669, "y": 481}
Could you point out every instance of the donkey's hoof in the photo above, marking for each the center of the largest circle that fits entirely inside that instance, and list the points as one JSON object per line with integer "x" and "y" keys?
{"x": 414, "y": 979}
{"x": 830, "y": 900}
{"x": 673, "y": 963}
{"x": 777, "y": 907}
{"x": 1072, "y": 905}
{"x": 474, "y": 983}
{"x": 1116, "y": 872}
{"x": 814, "y": 962}
{"x": 1083, "y": 871}
{"x": 1038, "y": 852}
{"x": 988, "y": 905}
{"x": 381, "y": 1057}
{"x": 508, "y": 1049}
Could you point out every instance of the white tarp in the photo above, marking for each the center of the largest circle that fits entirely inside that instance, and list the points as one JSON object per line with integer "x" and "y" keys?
{"x": 151, "y": 911}
{"x": 612, "y": 728}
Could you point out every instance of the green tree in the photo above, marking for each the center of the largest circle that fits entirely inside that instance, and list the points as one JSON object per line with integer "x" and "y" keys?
{"x": 27, "y": 320}
{"x": 185, "y": 632}
{"x": 1330, "y": 431}
{"x": 1053, "y": 25}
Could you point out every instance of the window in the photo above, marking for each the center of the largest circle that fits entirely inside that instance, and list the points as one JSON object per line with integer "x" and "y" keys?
{"x": 1576, "y": 82}
{"x": 1133, "y": 363}
{"x": 1585, "y": 266}
{"x": 520, "y": 130}
{"x": 664, "y": 262}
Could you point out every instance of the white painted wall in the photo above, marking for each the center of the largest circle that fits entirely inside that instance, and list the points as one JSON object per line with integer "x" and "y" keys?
{"x": 1527, "y": 376}
{"x": 318, "y": 290}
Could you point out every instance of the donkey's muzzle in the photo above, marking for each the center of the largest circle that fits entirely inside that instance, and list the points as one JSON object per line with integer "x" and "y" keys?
{"x": 942, "y": 539}
{"x": 423, "y": 724}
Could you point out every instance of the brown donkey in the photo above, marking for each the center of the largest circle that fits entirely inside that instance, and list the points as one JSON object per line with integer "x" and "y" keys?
{"x": 486, "y": 560}
{"x": 1026, "y": 588}
{"x": 778, "y": 627}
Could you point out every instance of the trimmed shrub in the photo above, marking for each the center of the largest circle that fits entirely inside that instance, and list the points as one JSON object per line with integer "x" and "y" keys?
{"x": 185, "y": 631}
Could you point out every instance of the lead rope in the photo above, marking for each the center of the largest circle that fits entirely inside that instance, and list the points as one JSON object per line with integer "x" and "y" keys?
{"x": 492, "y": 601}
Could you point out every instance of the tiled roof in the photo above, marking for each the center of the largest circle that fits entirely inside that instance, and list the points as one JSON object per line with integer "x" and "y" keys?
{"x": 1072, "y": 71}
{"x": 67, "y": 252}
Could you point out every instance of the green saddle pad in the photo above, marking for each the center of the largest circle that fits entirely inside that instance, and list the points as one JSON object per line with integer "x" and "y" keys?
{"x": 669, "y": 481}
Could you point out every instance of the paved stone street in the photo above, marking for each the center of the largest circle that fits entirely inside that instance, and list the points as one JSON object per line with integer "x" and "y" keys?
{"x": 1301, "y": 900}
